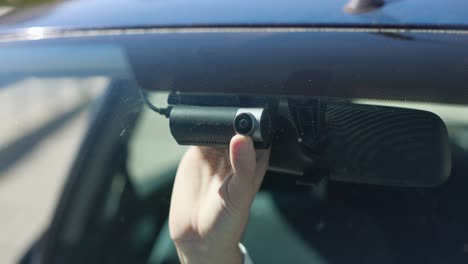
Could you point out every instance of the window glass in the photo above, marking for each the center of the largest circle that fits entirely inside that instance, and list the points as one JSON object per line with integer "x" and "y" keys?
{"x": 43, "y": 121}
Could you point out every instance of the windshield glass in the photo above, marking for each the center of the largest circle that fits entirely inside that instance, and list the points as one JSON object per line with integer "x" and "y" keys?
{"x": 87, "y": 168}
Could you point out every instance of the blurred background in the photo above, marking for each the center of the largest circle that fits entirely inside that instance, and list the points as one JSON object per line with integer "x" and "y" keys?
{"x": 43, "y": 123}
{"x": 44, "y": 120}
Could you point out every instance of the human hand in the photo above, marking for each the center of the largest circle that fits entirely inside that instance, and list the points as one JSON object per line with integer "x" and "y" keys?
{"x": 213, "y": 191}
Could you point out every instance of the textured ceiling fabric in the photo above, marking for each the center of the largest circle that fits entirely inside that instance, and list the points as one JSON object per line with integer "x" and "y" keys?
{"x": 348, "y": 65}
{"x": 404, "y": 66}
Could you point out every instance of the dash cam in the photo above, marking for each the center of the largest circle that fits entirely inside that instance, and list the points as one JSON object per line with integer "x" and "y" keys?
{"x": 215, "y": 126}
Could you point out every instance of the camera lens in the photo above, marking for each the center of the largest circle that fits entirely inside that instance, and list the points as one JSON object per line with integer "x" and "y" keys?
{"x": 244, "y": 124}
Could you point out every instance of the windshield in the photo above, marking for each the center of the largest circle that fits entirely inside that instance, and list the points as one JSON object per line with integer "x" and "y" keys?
{"x": 87, "y": 169}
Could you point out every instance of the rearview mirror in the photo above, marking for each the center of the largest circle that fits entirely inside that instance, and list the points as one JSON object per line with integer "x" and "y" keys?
{"x": 363, "y": 144}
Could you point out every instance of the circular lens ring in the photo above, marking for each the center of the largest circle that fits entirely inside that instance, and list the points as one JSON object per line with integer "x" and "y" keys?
{"x": 244, "y": 124}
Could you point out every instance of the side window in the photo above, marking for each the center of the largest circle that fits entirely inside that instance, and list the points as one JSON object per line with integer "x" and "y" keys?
{"x": 43, "y": 120}
{"x": 152, "y": 150}
{"x": 133, "y": 205}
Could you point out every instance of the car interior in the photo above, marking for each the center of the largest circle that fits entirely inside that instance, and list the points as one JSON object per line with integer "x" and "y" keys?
{"x": 329, "y": 222}
{"x": 115, "y": 202}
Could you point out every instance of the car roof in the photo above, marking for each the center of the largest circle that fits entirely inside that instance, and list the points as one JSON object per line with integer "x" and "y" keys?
{"x": 128, "y": 13}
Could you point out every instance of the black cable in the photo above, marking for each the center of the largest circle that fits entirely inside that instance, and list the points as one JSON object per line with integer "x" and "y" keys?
{"x": 163, "y": 111}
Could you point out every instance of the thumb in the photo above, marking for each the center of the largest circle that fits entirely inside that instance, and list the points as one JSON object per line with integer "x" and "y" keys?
{"x": 239, "y": 189}
{"x": 242, "y": 155}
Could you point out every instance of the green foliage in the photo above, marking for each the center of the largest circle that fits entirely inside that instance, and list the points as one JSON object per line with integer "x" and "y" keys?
{"x": 24, "y": 3}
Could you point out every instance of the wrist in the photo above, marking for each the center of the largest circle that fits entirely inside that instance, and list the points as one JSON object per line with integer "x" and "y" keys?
{"x": 204, "y": 254}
